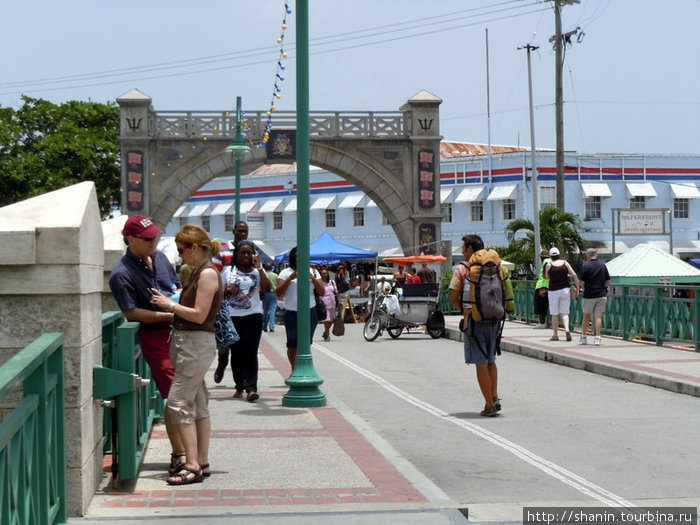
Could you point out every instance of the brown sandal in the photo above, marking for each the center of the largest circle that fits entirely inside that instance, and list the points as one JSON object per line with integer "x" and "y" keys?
{"x": 176, "y": 463}
{"x": 205, "y": 466}
{"x": 182, "y": 476}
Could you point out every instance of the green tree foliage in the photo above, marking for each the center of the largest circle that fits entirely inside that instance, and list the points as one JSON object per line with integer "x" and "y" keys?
{"x": 557, "y": 228}
{"x": 45, "y": 147}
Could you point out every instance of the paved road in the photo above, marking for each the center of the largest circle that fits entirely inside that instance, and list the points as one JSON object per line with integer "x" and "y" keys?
{"x": 401, "y": 440}
{"x": 564, "y": 437}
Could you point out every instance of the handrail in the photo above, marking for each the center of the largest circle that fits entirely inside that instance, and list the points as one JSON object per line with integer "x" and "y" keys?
{"x": 135, "y": 403}
{"x": 32, "y": 436}
{"x": 658, "y": 313}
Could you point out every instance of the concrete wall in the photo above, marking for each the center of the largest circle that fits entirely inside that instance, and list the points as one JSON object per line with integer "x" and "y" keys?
{"x": 52, "y": 279}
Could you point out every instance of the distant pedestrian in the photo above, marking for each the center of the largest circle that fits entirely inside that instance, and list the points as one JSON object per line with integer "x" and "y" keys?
{"x": 412, "y": 277}
{"x": 331, "y": 299}
{"x": 481, "y": 339}
{"x": 427, "y": 275}
{"x": 244, "y": 282}
{"x": 400, "y": 277}
{"x": 287, "y": 289}
{"x": 270, "y": 300}
{"x": 558, "y": 272}
{"x": 225, "y": 260}
{"x": 594, "y": 279}
{"x": 541, "y": 289}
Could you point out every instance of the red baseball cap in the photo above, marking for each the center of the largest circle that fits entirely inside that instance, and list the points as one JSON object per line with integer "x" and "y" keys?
{"x": 140, "y": 225}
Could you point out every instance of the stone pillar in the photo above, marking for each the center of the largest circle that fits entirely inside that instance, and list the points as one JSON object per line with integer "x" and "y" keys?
{"x": 424, "y": 179}
{"x": 51, "y": 280}
{"x": 134, "y": 138}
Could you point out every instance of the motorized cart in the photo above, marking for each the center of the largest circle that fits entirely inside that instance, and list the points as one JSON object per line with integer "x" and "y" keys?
{"x": 417, "y": 307}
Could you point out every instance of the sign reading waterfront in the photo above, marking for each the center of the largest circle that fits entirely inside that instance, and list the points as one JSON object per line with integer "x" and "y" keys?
{"x": 641, "y": 222}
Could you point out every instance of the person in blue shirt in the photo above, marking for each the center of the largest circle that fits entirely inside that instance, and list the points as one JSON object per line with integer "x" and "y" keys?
{"x": 141, "y": 268}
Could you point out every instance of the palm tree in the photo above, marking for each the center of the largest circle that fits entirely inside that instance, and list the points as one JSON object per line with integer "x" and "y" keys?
{"x": 557, "y": 228}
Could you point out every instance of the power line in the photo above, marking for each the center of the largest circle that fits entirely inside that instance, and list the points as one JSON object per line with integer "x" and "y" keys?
{"x": 258, "y": 52}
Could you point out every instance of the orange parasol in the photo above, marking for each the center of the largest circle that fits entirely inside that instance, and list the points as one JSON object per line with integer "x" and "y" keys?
{"x": 413, "y": 259}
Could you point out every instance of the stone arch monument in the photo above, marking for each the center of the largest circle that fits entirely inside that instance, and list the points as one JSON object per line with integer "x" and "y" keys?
{"x": 392, "y": 156}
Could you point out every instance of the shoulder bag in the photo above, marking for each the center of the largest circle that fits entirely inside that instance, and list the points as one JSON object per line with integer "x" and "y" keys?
{"x": 225, "y": 331}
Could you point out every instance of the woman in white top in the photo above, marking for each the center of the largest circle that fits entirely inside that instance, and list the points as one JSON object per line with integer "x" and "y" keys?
{"x": 243, "y": 283}
{"x": 287, "y": 290}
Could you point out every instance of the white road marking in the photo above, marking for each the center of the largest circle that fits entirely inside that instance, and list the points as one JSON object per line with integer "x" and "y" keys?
{"x": 556, "y": 471}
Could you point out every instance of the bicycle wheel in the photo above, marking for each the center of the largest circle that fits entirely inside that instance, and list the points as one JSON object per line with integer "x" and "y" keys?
{"x": 372, "y": 328}
{"x": 394, "y": 331}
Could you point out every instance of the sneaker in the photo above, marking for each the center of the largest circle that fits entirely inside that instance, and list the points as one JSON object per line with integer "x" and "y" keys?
{"x": 540, "y": 326}
{"x": 497, "y": 403}
{"x": 583, "y": 340}
{"x": 489, "y": 411}
{"x": 597, "y": 340}
{"x": 238, "y": 394}
{"x": 252, "y": 397}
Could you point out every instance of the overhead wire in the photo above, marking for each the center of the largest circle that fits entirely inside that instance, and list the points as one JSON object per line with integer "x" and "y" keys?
{"x": 10, "y": 87}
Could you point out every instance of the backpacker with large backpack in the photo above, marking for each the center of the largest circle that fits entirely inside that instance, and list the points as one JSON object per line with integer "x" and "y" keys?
{"x": 490, "y": 291}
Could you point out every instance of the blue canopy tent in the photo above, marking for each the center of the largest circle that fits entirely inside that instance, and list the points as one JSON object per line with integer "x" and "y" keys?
{"x": 695, "y": 262}
{"x": 326, "y": 250}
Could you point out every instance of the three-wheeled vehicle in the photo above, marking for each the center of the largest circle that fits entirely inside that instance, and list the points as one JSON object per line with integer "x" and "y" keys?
{"x": 417, "y": 307}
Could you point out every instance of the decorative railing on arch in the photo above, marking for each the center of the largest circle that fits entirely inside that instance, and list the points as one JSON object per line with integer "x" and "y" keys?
{"x": 32, "y": 435}
{"x": 323, "y": 124}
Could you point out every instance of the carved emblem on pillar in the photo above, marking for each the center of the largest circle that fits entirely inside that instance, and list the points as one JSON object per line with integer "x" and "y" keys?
{"x": 426, "y": 178}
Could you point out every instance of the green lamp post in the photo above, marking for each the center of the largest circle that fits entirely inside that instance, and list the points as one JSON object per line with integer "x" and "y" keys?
{"x": 304, "y": 381}
{"x": 238, "y": 149}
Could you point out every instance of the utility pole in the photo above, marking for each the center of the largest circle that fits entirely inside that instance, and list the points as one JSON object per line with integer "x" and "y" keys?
{"x": 558, "y": 40}
{"x": 535, "y": 189}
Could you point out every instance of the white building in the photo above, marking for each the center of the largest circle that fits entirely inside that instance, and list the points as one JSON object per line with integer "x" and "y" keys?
{"x": 472, "y": 201}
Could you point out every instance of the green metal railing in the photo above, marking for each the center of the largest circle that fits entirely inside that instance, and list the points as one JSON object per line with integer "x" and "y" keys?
{"x": 134, "y": 403}
{"x": 657, "y": 313}
{"x": 32, "y": 436}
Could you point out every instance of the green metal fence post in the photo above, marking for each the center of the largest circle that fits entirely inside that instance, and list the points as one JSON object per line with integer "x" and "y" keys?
{"x": 696, "y": 325}
{"x": 624, "y": 313}
{"x": 660, "y": 326}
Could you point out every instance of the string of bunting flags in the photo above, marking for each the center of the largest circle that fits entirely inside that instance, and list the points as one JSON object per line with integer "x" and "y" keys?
{"x": 276, "y": 91}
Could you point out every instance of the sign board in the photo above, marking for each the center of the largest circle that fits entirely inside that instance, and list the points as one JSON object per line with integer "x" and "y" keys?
{"x": 256, "y": 224}
{"x": 641, "y": 222}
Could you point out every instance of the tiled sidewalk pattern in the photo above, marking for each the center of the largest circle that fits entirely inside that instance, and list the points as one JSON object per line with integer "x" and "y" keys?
{"x": 385, "y": 483}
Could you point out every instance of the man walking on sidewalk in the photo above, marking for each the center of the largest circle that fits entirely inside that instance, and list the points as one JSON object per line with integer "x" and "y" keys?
{"x": 541, "y": 299}
{"x": 594, "y": 278}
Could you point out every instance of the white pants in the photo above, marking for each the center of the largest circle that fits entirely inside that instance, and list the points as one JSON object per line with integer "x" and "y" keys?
{"x": 559, "y": 301}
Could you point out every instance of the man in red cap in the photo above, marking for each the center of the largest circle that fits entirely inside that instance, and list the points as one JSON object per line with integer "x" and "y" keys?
{"x": 140, "y": 269}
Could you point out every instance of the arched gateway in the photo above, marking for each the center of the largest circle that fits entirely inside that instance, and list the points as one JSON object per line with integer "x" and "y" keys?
{"x": 393, "y": 157}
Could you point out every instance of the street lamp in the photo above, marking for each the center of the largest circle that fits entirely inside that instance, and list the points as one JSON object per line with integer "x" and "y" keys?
{"x": 304, "y": 381}
{"x": 238, "y": 149}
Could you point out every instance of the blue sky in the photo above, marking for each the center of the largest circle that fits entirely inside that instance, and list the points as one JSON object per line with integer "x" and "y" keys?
{"x": 631, "y": 85}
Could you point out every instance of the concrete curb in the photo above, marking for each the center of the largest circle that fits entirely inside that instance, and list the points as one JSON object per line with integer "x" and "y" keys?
{"x": 642, "y": 377}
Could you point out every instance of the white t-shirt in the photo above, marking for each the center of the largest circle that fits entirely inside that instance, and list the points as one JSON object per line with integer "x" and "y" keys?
{"x": 241, "y": 292}
{"x": 290, "y": 296}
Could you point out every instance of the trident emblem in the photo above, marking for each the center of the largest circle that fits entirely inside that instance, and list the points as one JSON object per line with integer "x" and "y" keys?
{"x": 425, "y": 124}
{"x": 133, "y": 123}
